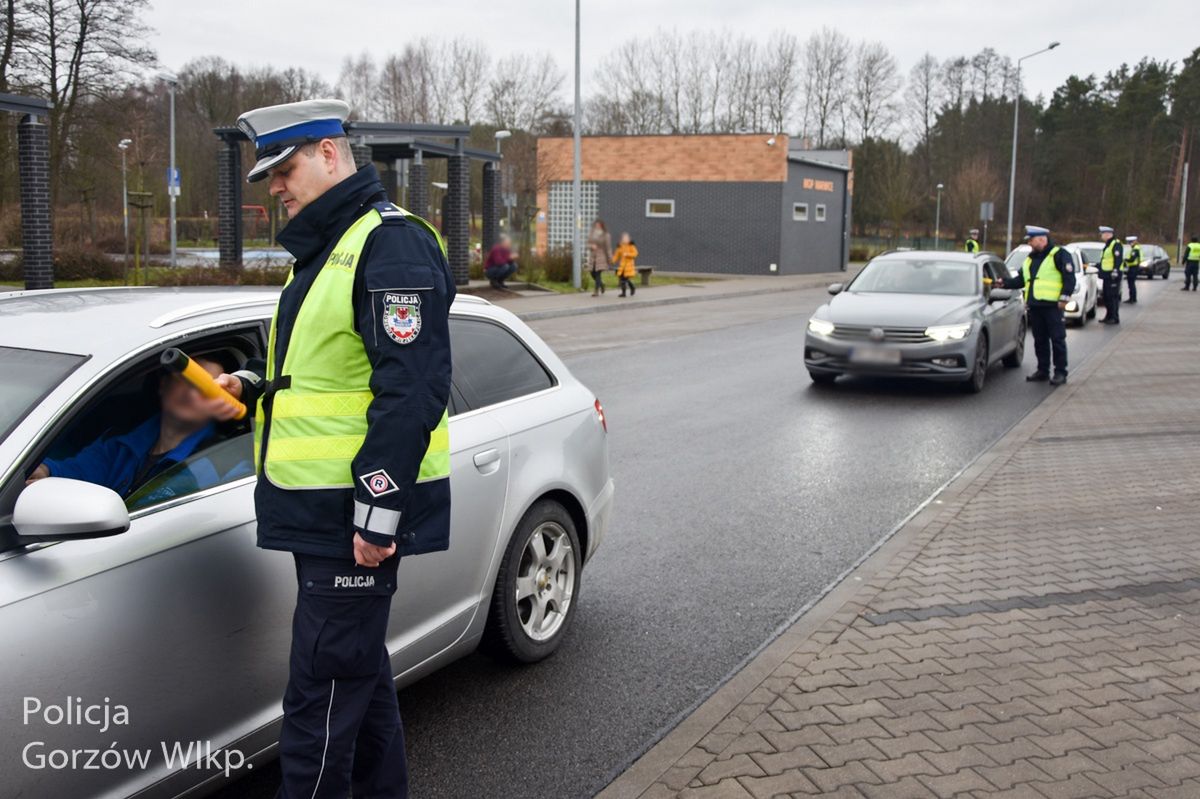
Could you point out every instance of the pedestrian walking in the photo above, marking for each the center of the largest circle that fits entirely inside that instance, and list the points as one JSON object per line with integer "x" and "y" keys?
{"x": 1048, "y": 277}
{"x": 351, "y": 440}
{"x": 599, "y": 255}
{"x": 972, "y": 245}
{"x": 1112, "y": 258}
{"x": 500, "y": 264}
{"x": 1133, "y": 267}
{"x": 625, "y": 258}
{"x": 1191, "y": 263}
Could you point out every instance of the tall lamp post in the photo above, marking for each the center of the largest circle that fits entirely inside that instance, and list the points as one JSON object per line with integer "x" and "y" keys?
{"x": 501, "y": 135}
{"x": 172, "y": 175}
{"x": 123, "y": 145}
{"x": 937, "y": 220}
{"x": 1012, "y": 175}
{"x": 577, "y": 184}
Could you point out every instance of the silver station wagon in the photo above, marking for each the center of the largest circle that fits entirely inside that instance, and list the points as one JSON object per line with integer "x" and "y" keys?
{"x": 144, "y": 638}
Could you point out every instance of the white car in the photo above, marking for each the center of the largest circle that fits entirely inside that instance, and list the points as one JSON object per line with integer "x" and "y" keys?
{"x": 1082, "y": 305}
{"x": 1091, "y": 251}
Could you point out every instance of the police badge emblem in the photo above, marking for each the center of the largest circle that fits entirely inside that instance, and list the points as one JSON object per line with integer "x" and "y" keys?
{"x": 402, "y": 317}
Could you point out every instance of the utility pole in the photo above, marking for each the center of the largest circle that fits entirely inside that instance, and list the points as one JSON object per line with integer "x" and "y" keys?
{"x": 1012, "y": 175}
{"x": 123, "y": 145}
{"x": 937, "y": 220}
{"x": 1183, "y": 208}
{"x": 172, "y": 174}
{"x": 577, "y": 187}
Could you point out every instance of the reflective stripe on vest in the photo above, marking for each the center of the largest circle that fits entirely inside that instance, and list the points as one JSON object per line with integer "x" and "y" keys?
{"x": 1193, "y": 251}
{"x": 1107, "y": 259}
{"x": 318, "y": 422}
{"x": 1048, "y": 285}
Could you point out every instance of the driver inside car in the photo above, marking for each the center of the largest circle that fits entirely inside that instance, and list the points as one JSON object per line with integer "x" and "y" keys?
{"x": 125, "y": 461}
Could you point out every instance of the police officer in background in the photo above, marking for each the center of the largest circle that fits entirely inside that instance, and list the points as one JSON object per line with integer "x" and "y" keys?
{"x": 1112, "y": 258}
{"x": 973, "y": 241}
{"x": 1191, "y": 263}
{"x": 1048, "y": 277}
{"x": 351, "y": 440}
{"x": 1133, "y": 267}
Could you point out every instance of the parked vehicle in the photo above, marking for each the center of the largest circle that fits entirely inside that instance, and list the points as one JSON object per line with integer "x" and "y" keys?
{"x": 1090, "y": 252}
{"x": 162, "y": 603}
{"x": 1155, "y": 262}
{"x": 1082, "y": 305}
{"x": 926, "y": 314}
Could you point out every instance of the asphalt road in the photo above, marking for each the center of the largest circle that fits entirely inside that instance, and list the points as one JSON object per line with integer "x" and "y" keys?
{"x": 742, "y": 492}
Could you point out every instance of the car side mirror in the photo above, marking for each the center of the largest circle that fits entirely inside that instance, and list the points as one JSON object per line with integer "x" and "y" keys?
{"x": 1091, "y": 270}
{"x": 836, "y": 288}
{"x": 1000, "y": 295}
{"x": 57, "y": 509}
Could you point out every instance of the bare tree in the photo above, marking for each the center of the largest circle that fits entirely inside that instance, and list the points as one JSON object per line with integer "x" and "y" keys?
{"x": 468, "y": 66}
{"x": 826, "y": 69}
{"x": 358, "y": 84}
{"x": 522, "y": 91}
{"x": 780, "y": 76}
{"x": 922, "y": 100}
{"x": 874, "y": 98}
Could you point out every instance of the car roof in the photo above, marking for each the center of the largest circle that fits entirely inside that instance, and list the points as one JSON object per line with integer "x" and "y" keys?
{"x": 81, "y": 320}
{"x": 945, "y": 255}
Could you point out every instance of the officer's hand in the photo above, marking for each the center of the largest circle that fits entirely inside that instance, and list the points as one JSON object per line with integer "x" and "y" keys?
{"x": 367, "y": 554}
{"x": 1062, "y": 306}
{"x": 219, "y": 409}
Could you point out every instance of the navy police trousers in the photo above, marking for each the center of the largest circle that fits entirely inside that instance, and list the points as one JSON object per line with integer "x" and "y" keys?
{"x": 1049, "y": 337}
{"x": 341, "y": 721}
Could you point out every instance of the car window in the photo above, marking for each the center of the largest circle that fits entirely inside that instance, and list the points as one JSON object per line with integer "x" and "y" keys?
{"x": 145, "y": 433}
{"x": 918, "y": 276}
{"x": 26, "y": 377}
{"x": 492, "y": 365}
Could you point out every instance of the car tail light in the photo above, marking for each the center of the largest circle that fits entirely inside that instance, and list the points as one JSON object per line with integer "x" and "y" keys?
{"x": 600, "y": 416}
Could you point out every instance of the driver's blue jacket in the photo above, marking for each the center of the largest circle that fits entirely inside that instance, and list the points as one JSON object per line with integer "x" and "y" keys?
{"x": 114, "y": 461}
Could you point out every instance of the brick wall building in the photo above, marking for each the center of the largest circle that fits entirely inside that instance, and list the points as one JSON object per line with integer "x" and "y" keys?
{"x": 737, "y": 204}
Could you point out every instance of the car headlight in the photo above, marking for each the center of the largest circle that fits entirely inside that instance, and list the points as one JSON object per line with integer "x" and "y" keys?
{"x": 1072, "y": 306}
{"x": 820, "y": 327}
{"x": 948, "y": 332}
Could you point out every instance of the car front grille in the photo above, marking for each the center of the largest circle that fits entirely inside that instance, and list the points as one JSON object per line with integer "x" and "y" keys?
{"x": 891, "y": 335}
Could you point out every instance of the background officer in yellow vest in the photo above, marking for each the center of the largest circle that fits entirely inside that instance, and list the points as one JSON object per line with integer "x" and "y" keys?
{"x": 1133, "y": 267}
{"x": 352, "y": 443}
{"x": 1191, "y": 263}
{"x": 973, "y": 241}
{"x": 1112, "y": 258}
{"x": 1048, "y": 277}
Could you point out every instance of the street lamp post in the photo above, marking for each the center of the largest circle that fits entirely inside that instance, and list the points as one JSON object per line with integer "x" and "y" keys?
{"x": 937, "y": 220}
{"x": 172, "y": 182}
{"x": 501, "y": 135}
{"x": 1012, "y": 175}
{"x": 123, "y": 145}
{"x": 577, "y": 184}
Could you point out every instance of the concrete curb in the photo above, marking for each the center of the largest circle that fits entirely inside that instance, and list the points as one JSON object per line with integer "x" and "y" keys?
{"x": 863, "y": 579}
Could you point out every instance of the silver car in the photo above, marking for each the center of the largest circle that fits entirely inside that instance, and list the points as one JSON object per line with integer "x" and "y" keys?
{"x": 933, "y": 315}
{"x": 145, "y": 640}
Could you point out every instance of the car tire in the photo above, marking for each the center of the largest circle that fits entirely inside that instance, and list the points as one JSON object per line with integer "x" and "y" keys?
{"x": 823, "y": 378}
{"x": 1083, "y": 319}
{"x": 974, "y": 384}
{"x": 1092, "y": 313}
{"x": 1014, "y": 358}
{"x": 535, "y": 581}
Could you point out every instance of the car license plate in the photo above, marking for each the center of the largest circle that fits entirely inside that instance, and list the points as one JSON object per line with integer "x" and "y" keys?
{"x": 878, "y": 356}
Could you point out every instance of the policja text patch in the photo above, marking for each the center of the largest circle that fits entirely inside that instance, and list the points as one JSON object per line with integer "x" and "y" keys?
{"x": 402, "y": 317}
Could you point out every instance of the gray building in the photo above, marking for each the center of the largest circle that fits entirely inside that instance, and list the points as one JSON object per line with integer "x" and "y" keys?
{"x": 732, "y": 204}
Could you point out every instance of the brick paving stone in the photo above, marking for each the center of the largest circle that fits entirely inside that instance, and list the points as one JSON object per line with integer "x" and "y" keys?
{"x": 991, "y": 653}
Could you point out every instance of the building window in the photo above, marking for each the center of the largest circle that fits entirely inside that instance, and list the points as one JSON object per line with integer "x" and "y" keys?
{"x": 820, "y": 212}
{"x": 664, "y": 209}
{"x": 560, "y": 217}
{"x": 800, "y": 212}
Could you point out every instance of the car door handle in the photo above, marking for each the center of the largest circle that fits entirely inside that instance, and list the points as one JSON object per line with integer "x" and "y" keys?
{"x": 487, "y": 461}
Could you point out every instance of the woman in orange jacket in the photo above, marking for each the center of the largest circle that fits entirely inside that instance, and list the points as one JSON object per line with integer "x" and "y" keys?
{"x": 625, "y": 257}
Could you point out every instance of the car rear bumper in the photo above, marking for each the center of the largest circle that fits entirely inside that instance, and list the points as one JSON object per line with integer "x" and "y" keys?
{"x": 598, "y": 516}
{"x": 823, "y": 354}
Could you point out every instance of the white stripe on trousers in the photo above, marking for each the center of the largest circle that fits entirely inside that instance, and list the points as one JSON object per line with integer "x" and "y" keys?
{"x": 325, "y": 751}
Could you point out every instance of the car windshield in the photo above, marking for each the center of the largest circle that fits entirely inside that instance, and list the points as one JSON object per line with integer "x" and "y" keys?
{"x": 1016, "y": 258}
{"x": 26, "y": 377}
{"x": 918, "y": 276}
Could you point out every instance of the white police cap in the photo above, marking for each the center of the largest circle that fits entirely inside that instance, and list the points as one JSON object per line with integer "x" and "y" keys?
{"x": 1036, "y": 230}
{"x": 1131, "y": 238}
{"x": 278, "y": 130}
{"x": 1105, "y": 229}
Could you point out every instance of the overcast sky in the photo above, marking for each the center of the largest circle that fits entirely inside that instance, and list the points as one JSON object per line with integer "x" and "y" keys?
{"x": 1096, "y": 35}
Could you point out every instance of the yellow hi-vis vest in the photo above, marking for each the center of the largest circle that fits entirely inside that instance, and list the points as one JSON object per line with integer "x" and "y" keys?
{"x": 972, "y": 245}
{"x": 1049, "y": 283}
{"x": 1135, "y": 256}
{"x": 1193, "y": 251}
{"x": 1107, "y": 258}
{"x": 318, "y": 421}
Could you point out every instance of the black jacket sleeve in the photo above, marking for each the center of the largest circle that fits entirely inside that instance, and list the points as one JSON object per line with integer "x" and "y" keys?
{"x": 1065, "y": 265}
{"x": 253, "y": 376}
{"x": 1118, "y": 255}
{"x": 403, "y": 293}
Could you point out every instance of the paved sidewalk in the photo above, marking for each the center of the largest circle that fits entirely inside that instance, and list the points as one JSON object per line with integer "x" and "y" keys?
{"x": 547, "y": 305}
{"x": 1032, "y": 632}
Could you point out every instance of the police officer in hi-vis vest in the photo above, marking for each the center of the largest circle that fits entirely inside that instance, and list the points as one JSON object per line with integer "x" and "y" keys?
{"x": 1112, "y": 258}
{"x": 1191, "y": 263}
{"x": 351, "y": 440}
{"x": 1048, "y": 277}
{"x": 1133, "y": 267}
{"x": 972, "y": 245}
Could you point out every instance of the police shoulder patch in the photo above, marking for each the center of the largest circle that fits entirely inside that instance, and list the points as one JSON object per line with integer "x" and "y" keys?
{"x": 402, "y": 316}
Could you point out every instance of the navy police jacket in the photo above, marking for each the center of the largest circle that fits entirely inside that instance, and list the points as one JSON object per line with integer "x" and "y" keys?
{"x": 398, "y": 254}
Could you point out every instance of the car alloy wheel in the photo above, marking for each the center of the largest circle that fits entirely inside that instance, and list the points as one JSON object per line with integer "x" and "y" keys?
{"x": 537, "y": 585}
